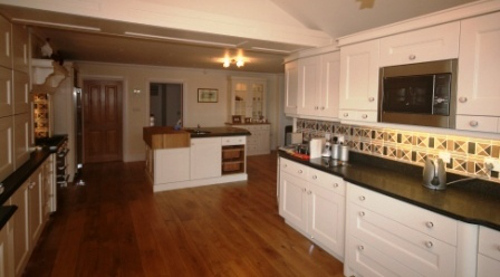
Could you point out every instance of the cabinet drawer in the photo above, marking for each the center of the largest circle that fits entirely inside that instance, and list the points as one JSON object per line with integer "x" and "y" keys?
{"x": 368, "y": 116}
{"x": 239, "y": 140}
{"x": 422, "y": 220}
{"x": 429, "y": 44}
{"x": 489, "y": 242}
{"x": 478, "y": 123}
{"x": 295, "y": 169}
{"x": 416, "y": 250}
{"x": 327, "y": 181}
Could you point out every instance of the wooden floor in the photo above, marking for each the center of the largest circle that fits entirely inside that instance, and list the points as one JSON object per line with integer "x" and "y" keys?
{"x": 116, "y": 226}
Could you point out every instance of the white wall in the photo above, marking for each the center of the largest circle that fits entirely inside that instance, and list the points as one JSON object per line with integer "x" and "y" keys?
{"x": 136, "y": 106}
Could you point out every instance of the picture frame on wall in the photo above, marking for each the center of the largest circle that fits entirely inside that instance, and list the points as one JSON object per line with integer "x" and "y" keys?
{"x": 208, "y": 95}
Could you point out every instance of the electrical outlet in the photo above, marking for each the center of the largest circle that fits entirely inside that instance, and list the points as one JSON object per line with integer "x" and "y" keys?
{"x": 445, "y": 156}
{"x": 492, "y": 164}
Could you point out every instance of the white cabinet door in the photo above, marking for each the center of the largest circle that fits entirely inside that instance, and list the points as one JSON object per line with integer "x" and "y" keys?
{"x": 171, "y": 165}
{"x": 293, "y": 200}
{"x": 21, "y": 92}
{"x": 21, "y": 139}
{"x": 248, "y": 97}
{"x": 424, "y": 45}
{"x": 359, "y": 71}
{"x": 478, "y": 86}
{"x": 489, "y": 252}
{"x": 291, "y": 87}
{"x": 329, "y": 87}
{"x": 35, "y": 204}
{"x": 206, "y": 158}
{"x": 6, "y": 251}
{"x": 309, "y": 85}
{"x": 6, "y": 103}
{"x": 6, "y": 147}
{"x": 5, "y": 43}
{"x": 20, "y": 38}
{"x": 21, "y": 227}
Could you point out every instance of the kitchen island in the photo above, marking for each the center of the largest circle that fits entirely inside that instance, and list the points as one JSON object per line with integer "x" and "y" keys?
{"x": 192, "y": 157}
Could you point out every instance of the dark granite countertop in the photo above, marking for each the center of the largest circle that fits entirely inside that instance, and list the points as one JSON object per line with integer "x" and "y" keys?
{"x": 16, "y": 179}
{"x": 474, "y": 201}
{"x": 219, "y": 132}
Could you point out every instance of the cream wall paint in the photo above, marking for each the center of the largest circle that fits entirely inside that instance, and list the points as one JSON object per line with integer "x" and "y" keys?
{"x": 136, "y": 106}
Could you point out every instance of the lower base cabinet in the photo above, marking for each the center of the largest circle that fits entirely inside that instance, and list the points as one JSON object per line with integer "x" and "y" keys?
{"x": 488, "y": 258}
{"x": 20, "y": 219}
{"x": 6, "y": 250}
{"x": 313, "y": 202}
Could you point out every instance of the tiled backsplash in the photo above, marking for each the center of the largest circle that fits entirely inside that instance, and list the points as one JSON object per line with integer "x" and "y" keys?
{"x": 467, "y": 155}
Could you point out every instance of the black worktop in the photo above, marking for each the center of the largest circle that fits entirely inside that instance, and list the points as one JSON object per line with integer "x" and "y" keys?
{"x": 474, "y": 201}
{"x": 220, "y": 132}
{"x": 16, "y": 179}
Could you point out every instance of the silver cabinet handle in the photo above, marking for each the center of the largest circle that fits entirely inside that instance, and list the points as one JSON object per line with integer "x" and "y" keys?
{"x": 314, "y": 177}
{"x": 316, "y": 107}
{"x": 309, "y": 192}
{"x": 361, "y": 247}
{"x": 364, "y": 116}
{"x": 361, "y": 214}
{"x": 371, "y": 99}
{"x": 462, "y": 99}
{"x": 473, "y": 123}
{"x": 31, "y": 185}
{"x": 322, "y": 108}
{"x": 412, "y": 57}
{"x": 362, "y": 198}
{"x": 346, "y": 114}
{"x": 429, "y": 224}
{"x": 304, "y": 189}
{"x": 429, "y": 244}
{"x": 335, "y": 185}
{"x": 300, "y": 171}
{"x": 285, "y": 165}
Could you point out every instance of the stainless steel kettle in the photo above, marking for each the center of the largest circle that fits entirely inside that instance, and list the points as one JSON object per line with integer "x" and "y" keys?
{"x": 434, "y": 174}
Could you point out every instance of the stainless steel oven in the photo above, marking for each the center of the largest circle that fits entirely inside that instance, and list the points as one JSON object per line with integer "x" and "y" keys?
{"x": 419, "y": 94}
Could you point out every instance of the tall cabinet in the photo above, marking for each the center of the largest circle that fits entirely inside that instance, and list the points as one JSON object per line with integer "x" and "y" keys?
{"x": 248, "y": 98}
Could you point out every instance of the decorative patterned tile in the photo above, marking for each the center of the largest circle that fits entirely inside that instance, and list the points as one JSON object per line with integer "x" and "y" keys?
{"x": 459, "y": 164}
{"x": 406, "y": 138}
{"x": 391, "y": 136}
{"x": 379, "y": 136}
{"x": 483, "y": 149}
{"x": 391, "y": 152}
{"x": 440, "y": 143}
{"x": 459, "y": 146}
{"x": 404, "y": 154}
{"x": 420, "y": 140}
{"x": 378, "y": 149}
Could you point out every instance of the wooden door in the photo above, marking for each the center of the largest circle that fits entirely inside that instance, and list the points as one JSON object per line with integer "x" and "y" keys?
{"x": 102, "y": 117}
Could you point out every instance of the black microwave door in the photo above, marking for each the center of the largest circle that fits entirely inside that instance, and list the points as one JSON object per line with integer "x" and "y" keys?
{"x": 413, "y": 94}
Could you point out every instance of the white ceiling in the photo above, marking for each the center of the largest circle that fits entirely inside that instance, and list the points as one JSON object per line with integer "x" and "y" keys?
{"x": 316, "y": 20}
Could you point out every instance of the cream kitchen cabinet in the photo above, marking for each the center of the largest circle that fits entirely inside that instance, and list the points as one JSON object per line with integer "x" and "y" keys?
{"x": 291, "y": 87}
{"x": 6, "y": 251}
{"x": 248, "y": 97}
{"x": 259, "y": 140}
{"x": 22, "y": 123}
{"x": 318, "y": 93}
{"x": 313, "y": 202}
{"x": 21, "y": 92}
{"x": 6, "y": 103}
{"x": 488, "y": 258}
{"x": 5, "y": 43}
{"x": 205, "y": 158}
{"x": 6, "y": 147}
{"x": 21, "y": 221}
{"x": 423, "y": 45}
{"x": 478, "y": 87}
{"x": 388, "y": 237}
{"x": 171, "y": 165}
{"x": 35, "y": 213}
{"x": 20, "y": 41}
{"x": 359, "y": 78}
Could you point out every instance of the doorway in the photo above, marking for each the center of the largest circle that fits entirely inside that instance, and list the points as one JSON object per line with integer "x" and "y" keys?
{"x": 166, "y": 103}
{"x": 102, "y": 121}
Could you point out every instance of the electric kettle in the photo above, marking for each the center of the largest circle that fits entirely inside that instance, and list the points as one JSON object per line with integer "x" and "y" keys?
{"x": 434, "y": 174}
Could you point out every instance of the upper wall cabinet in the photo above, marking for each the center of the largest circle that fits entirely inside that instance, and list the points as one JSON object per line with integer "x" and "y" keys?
{"x": 20, "y": 39}
{"x": 318, "y": 85}
{"x": 429, "y": 44}
{"x": 359, "y": 71}
{"x": 291, "y": 87}
{"x": 5, "y": 43}
{"x": 6, "y": 105}
{"x": 248, "y": 97}
{"x": 21, "y": 92}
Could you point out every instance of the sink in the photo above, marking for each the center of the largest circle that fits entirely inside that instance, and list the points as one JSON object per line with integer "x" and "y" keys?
{"x": 197, "y": 132}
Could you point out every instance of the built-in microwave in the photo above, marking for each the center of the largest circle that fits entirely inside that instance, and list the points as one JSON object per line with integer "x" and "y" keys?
{"x": 419, "y": 94}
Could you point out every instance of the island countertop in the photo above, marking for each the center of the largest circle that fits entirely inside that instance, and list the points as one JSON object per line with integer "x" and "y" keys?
{"x": 218, "y": 132}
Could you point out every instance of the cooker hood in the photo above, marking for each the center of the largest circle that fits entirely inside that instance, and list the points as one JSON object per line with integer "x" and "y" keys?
{"x": 47, "y": 75}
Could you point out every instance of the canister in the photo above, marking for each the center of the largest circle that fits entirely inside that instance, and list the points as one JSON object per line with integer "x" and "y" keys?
{"x": 344, "y": 152}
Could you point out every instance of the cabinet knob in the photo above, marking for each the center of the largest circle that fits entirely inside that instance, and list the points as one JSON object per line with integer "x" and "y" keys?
{"x": 412, "y": 57}
{"x": 335, "y": 185}
{"x": 314, "y": 177}
{"x": 364, "y": 116}
{"x": 362, "y": 198}
{"x": 429, "y": 224}
{"x": 473, "y": 123}
{"x": 429, "y": 244}
{"x": 309, "y": 192}
{"x": 300, "y": 171}
{"x": 304, "y": 190}
{"x": 285, "y": 165}
{"x": 371, "y": 99}
{"x": 361, "y": 247}
{"x": 322, "y": 108}
{"x": 346, "y": 114}
{"x": 361, "y": 214}
{"x": 462, "y": 99}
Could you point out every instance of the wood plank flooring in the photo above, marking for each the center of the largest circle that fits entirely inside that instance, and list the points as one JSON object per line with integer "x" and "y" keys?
{"x": 116, "y": 226}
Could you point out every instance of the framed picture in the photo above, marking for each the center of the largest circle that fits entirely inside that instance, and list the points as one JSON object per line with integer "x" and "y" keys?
{"x": 236, "y": 118}
{"x": 208, "y": 95}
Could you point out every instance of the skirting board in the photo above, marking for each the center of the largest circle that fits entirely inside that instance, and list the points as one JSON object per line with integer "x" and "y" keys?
{"x": 200, "y": 182}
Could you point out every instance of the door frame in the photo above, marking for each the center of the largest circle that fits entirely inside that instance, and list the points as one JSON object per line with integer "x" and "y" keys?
{"x": 124, "y": 109}
{"x": 166, "y": 81}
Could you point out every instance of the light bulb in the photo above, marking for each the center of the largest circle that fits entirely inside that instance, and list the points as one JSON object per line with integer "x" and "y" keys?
{"x": 240, "y": 63}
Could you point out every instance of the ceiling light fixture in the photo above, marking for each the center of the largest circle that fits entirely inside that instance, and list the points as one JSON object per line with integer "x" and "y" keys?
{"x": 185, "y": 40}
{"x": 239, "y": 62}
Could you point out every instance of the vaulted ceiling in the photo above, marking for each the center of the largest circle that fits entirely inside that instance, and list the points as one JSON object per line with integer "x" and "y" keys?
{"x": 200, "y": 33}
